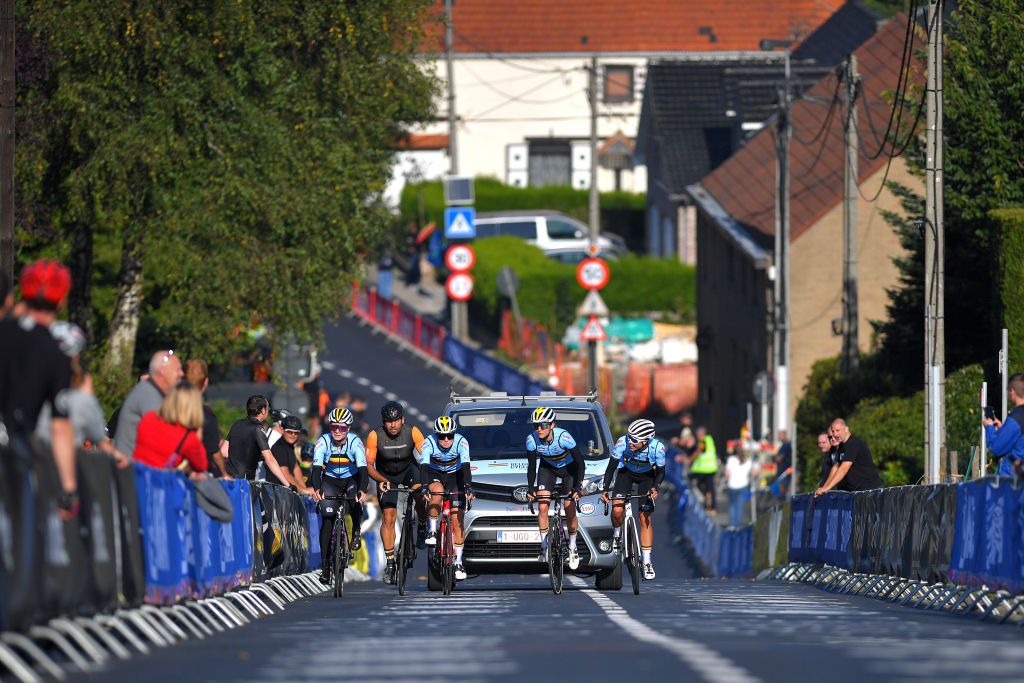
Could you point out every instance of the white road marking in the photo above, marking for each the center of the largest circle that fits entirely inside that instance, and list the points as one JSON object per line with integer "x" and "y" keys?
{"x": 347, "y": 374}
{"x": 362, "y": 381}
{"x": 377, "y": 389}
{"x": 391, "y": 397}
{"x": 700, "y": 658}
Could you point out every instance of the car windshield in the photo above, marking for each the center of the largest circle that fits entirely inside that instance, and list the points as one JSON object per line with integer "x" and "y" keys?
{"x": 501, "y": 434}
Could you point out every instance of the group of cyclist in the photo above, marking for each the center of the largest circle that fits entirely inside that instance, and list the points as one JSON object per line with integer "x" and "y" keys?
{"x": 398, "y": 457}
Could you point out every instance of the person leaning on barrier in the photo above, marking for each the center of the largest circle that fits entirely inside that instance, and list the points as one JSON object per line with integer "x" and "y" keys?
{"x": 1006, "y": 439}
{"x": 83, "y": 409}
{"x": 197, "y": 374}
{"x": 168, "y": 438}
{"x": 854, "y": 469}
{"x": 246, "y": 443}
{"x": 164, "y": 372}
{"x": 34, "y": 372}
{"x": 284, "y": 453}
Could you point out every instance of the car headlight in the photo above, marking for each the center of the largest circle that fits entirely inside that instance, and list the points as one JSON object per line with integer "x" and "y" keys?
{"x": 592, "y": 485}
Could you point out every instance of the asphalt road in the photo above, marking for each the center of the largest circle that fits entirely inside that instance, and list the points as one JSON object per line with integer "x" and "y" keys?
{"x": 512, "y": 628}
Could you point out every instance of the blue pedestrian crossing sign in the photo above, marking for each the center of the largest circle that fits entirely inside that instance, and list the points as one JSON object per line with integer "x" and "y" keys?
{"x": 460, "y": 222}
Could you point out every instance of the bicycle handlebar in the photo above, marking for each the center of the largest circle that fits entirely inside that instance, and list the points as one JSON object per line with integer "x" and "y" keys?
{"x": 632, "y": 497}
{"x": 557, "y": 497}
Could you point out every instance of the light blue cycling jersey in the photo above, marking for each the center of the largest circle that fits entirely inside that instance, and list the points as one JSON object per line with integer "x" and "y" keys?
{"x": 436, "y": 458}
{"x": 640, "y": 461}
{"x": 555, "y": 453}
{"x": 340, "y": 461}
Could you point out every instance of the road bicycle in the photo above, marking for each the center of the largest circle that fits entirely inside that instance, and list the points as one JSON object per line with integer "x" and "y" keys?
{"x": 405, "y": 553}
{"x": 630, "y": 549}
{"x": 558, "y": 539}
{"x": 339, "y": 553}
{"x": 441, "y": 564}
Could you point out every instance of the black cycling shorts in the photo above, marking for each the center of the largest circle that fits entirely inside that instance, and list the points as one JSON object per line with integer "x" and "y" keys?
{"x": 547, "y": 475}
{"x": 705, "y": 481}
{"x": 408, "y": 477}
{"x": 451, "y": 481}
{"x": 338, "y": 487}
{"x": 625, "y": 480}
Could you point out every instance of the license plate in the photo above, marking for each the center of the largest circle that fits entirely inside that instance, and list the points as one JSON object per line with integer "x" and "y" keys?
{"x": 519, "y": 537}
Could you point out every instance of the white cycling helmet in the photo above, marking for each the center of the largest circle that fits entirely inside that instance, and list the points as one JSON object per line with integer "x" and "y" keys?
{"x": 641, "y": 430}
{"x": 541, "y": 415}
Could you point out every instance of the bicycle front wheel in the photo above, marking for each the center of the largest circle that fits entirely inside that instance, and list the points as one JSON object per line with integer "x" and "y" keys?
{"x": 340, "y": 556}
{"x": 403, "y": 560}
{"x": 556, "y": 563}
{"x": 447, "y": 559}
{"x": 633, "y": 555}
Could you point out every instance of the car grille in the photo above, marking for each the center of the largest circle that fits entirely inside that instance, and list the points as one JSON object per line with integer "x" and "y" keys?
{"x": 492, "y": 492}
{"x": 505, "y": 521}
{"x": 490, "y": 550}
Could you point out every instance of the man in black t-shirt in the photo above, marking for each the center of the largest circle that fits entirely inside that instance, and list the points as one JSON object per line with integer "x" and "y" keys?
{"x": 247, "y": 443}
{"x": 854, "y": 470}
{"x": 35, "y": 372}
{"x": 284, "y": 453}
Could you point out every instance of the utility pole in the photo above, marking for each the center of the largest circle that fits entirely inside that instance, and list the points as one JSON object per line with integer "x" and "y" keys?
{"x": 934, "y": 266}
{"x": 851, "y": 350}
{"x": 781, "y": 285}
{"x": 459, "y": 309}
{"x": 595, "y": 201}
{"x": 7, "y": 138}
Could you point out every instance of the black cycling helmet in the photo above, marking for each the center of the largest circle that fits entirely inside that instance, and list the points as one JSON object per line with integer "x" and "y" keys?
{"x": 291, "y": 423}
{"x": 392, "y": 411}
{"x": 277, "y": 415}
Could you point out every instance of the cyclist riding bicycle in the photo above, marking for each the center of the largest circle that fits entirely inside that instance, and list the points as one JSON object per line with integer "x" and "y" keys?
{"x": 560, "y": 459}
{"x": 339, "y": 469}
{"x": 638, "y": 459}
{"x": 444, "y": 466}
{"x": 391, "y": 451}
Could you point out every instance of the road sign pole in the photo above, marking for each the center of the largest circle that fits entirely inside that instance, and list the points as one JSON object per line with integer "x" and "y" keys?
{"x": 592, "y": 365}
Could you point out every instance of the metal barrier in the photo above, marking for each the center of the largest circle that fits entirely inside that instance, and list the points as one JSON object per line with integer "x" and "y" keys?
{"x": 390, "y": 316}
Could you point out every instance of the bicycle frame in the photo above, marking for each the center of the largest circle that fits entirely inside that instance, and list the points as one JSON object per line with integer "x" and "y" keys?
{"x": 339, "y": 552}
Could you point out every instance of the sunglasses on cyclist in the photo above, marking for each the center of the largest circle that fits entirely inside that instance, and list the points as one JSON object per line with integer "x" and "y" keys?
{"x": 543, "y": 425}
{"x": 339, "y": 428}
{"x": 633, "y": 440}
{"x": 445, "y": 437}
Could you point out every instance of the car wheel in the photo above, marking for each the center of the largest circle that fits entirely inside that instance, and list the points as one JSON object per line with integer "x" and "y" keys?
{"x": 610, "y": 579}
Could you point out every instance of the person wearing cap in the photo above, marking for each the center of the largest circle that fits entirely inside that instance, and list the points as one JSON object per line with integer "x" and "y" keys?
{"x": 284, "y": 452}
{"x": 276, "y": 431}
{"x": 34, "y": 372}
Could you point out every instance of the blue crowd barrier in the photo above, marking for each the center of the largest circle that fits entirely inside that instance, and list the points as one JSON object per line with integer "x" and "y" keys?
{"x": 720, "y": 552}
{"x": 313, "y": 515}
{"x": 988, "y": 546}
{"x": 821, "y": 528}
{"x": 166, "y": 503}
{"x": 489, "y": 371}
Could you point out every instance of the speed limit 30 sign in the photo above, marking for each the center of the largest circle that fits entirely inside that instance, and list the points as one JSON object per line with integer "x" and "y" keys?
{"x": 592, "y": 273}
{"x": 459, "y": 258}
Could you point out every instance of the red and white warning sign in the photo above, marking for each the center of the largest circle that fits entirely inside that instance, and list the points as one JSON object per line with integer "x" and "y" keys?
{"x": 459, "y": 286}
{"x": 593, "y": 331}
{"x": 459, "y": 258}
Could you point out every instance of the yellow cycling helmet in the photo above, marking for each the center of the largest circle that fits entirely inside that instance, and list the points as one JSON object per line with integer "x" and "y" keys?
{"x": 444, "y": 425}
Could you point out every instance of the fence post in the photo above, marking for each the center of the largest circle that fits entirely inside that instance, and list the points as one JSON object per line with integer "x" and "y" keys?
{"x": 395, "y": 312}
{"x": 440, "y": 342}
{"x": 417, "y": 327}
{"x": 373, "y": 304}
{"x": 954, "y": 466}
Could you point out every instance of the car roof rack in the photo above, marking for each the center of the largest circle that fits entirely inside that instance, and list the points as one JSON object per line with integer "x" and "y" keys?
{"x": 504, "y": 396}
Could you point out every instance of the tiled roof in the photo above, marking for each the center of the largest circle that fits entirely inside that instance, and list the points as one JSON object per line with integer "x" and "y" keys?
{"x": 545, "y": 26}
{"x": 693, "y": 111}
{"x": 745, "y": 184}
{"x": 423, "y": 141}
{"x": 844, "y": 31}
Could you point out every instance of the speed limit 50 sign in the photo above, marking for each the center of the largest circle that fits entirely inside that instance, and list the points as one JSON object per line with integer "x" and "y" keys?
{"x": 592, "y": 273}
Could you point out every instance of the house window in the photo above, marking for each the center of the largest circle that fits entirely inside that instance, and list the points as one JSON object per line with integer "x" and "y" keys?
{"x": 618, "y": 84}
{"x": 549, "y": 162}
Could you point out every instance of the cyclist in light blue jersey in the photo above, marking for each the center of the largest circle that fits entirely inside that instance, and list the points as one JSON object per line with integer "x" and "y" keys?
{"x": 638, "y": 459}
{"x": 339, "y": 469}
{"x": 444, "y": 466}
{"x": 561, "y": 460}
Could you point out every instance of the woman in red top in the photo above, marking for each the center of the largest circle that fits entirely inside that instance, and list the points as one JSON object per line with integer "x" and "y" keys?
{"x": 169, "y": 436}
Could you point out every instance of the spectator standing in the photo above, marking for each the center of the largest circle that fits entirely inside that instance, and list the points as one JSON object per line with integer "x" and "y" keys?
{"x": 360, "y": 425}
{"x": 197, "y": 374}
{"x": 246, "y": 443}
{"x": 854, "y": 469}
{"x": 83, "y": 409}
{"x": 277, "y": 416}
{"x": 284, "y": 454}
{"x": 784, "y": 456}
{"x": 34, "y": 372}
{"x": 169, "y": 436}
{"x": 1006, "y": 439}
{"x": 148, "y": 395}
{"x": 703, "y": 466}
{"x": 827, "y": 448}
{"x": 737, "y": 478}
{"x": 685, "y": 426}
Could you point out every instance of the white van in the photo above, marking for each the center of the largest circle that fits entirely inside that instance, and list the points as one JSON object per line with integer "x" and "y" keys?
{"x": 549, "y": 230}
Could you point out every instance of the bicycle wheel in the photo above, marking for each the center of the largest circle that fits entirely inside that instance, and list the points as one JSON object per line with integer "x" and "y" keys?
{"x": 403, "y": 560}
{"x": 633, "y": 554}
{"x": 447, "y": 559}
{"x": 340, "y": 556}
{"x": 556, "y": 562}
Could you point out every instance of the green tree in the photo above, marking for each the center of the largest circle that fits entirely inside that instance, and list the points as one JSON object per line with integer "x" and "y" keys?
{"x": 224, "y": 160}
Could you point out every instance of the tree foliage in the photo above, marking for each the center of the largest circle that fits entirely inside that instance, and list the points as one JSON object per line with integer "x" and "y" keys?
{"x": 233, "y": 153}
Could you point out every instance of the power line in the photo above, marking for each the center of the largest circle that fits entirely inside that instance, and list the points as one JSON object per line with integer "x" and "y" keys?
{"x": 825, "y": 123}
{"x": 509, "y": 62}
{"x": 521, "y": 96}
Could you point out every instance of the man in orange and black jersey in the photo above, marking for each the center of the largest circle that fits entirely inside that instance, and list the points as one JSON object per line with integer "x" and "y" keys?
{"x": 391, "y": 458}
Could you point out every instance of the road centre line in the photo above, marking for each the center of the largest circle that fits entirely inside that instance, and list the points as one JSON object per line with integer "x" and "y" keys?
{"x": 709, "y": 664}
{"x": 348, "y": 374}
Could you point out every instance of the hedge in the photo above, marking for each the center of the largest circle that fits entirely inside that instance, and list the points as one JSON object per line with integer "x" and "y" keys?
{"x": 1010, "y": 279}
{"x": 622, "y": 213}
{"x": 549, "y": 293}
